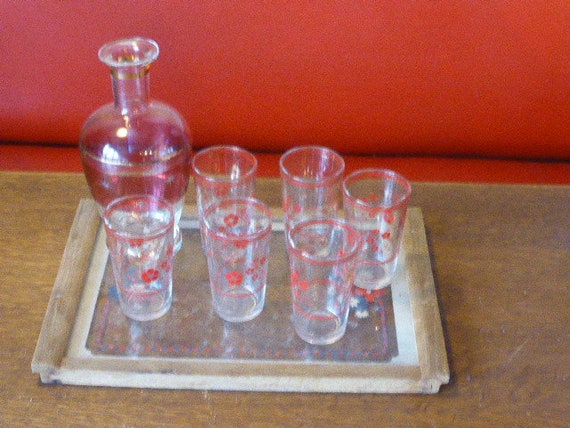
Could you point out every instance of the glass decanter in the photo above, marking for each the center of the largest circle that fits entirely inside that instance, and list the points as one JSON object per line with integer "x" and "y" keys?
{"x": 135, "y": 145}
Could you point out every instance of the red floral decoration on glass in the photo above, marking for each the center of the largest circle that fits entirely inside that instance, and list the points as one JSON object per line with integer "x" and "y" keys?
{"x": 231, "y": 220}
{"x": 234, "y": 278}
{"x": 136, "y": 242}
{"x": 150, "y": 275}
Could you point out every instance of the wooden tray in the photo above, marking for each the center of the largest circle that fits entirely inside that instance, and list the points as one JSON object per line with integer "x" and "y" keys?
{"x": 394, "y": 341}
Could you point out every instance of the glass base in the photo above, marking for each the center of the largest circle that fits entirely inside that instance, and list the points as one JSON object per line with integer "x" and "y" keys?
{"x": 149, "y": 310}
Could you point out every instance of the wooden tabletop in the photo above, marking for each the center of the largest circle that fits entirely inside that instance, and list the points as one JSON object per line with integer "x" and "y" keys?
{"x": 500, "y": 258}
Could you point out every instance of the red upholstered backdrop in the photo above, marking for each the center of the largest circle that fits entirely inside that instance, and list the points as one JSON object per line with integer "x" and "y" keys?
{"x": 395, "y": 77}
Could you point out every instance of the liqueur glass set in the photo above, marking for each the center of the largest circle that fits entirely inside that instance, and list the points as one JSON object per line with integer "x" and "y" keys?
{"x": 341, "y": 232}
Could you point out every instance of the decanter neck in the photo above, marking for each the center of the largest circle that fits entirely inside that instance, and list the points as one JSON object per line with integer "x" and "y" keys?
{"x": 130, "y": 86}
{"x": 129, "y": 61}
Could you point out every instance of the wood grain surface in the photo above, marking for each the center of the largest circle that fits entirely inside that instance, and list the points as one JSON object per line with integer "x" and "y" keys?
{"x": 500, "y": 259}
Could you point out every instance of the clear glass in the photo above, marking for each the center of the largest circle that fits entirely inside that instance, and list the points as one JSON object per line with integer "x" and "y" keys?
{"x": 141, "y": 242}
{"x": 238, "y": 233}
{"x": 376, "y": 202}
{"x": 223, "y": 172}
{"x": 135, "y": 145}
{"x": 322, "y": 259}
{"x": 311, "y": 183}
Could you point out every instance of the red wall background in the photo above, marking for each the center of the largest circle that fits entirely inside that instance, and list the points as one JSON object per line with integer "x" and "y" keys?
{"x": 391, "y": 77}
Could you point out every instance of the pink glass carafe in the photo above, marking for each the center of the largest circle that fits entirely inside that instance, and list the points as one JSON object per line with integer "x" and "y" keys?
{"x": 135, "y": 145}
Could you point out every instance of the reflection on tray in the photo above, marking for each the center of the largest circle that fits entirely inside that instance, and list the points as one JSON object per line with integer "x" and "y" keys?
{"x": 191, "y": 329}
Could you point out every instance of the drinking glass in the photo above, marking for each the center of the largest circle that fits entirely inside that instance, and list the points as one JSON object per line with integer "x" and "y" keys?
{"x": 322, "y": 258}
{"x": 140, "y": 238}
{"x": 375, "y": 202}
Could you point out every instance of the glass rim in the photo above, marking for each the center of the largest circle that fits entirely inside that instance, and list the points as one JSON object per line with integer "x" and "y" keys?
{"x": 201, "y": 175}
{"x": 122, "y": 235}
{"x": 292, "y": 178}
{"x": 248, "y": 201}
{"x": 302, "y": 255}
{"x": 376, "y": 173}
{"x": 129, "y": 52}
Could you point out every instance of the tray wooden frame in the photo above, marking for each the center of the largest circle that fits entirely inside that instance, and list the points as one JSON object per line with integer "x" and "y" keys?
{"x": 61, "y": 357}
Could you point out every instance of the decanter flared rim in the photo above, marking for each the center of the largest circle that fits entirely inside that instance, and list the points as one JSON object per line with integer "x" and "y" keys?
{"x": 133, "y": 52}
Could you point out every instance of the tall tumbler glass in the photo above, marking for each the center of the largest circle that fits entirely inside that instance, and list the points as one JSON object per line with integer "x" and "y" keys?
{"x": 375, "y": 202}
{"x": 237, "y": 237}
{"x": 311, "y": 183}
{"x": 322, "y": 257}
{"x": 140, "y": 237}
{"x": 222, "y": 172}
